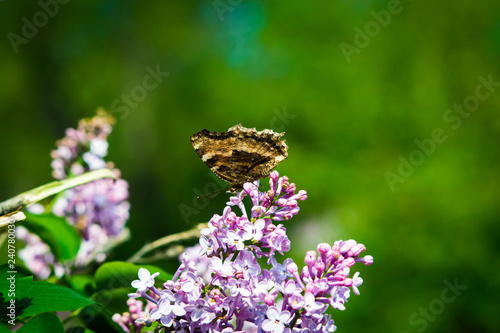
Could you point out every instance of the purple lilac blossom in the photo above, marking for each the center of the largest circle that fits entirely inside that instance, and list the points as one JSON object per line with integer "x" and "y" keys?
{"x": 84, "y": 148}
{"x": 99, "y": 209}
{"x": 138, "y": 314}
{"x": 201, "y": 262}
{"x": 37, "y": 256}
{"x": 243, "y": 296}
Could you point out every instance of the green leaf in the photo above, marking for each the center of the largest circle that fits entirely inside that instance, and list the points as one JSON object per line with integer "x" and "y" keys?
{"x": 120, "y": 274}
{"x": 43, "y": 323}
{"x": 63, "y": 238}
{"x": 150, "y": 328}
{"x": 33, "y": 298}
{"x": 115, "y": 300}
{"x": 79, "y": 330}
{"x": 4, "y": 329}
{"x": 82, "y": 283}
{"x": 4, "y": 269}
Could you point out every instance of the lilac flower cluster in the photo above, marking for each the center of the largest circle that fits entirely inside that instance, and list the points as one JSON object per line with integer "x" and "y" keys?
{"x": 137, "y": 313}
{"x": 241, "y": 295}
{"x": 84, "y": 148}
{"x": 37, "y": 255}
{"x": 98, "y": 209}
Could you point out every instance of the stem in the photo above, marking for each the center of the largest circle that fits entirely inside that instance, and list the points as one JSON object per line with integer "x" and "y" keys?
{"x": 192, "y": 233}
{"x": 13, "y": 217}
{"x": 171, "y": 252}
{"x": 296, "y": 315}
{"x": 44, "y": 191}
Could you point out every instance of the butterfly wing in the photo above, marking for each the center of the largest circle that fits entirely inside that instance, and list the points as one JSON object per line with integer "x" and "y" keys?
{"x": 240, "y": 155}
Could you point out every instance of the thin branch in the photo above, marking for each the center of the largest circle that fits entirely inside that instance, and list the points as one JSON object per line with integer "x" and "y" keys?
{"x": 169, "y": 253}
{"x": 6, "y": 219}
{"x": 44, "y": 191}
{"x": 188, "y": 234}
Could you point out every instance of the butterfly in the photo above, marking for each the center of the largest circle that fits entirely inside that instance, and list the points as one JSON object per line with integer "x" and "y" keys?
{"x": 241, "y": 154}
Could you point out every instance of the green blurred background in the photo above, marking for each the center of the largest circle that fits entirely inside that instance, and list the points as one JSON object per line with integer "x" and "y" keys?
{"x": 348, "y": 121}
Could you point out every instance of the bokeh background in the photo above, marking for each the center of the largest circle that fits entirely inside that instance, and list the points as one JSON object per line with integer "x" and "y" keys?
{"x": 352, "y": 107}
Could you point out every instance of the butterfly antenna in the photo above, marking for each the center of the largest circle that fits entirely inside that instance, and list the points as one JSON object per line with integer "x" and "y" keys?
{"x": 215, "y": 193}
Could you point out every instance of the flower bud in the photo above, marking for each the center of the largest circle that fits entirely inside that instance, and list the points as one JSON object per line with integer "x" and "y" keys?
{"x": 310, "y": 258}
{"x": 292, "y": 268}
{"x": 269, "y": 299}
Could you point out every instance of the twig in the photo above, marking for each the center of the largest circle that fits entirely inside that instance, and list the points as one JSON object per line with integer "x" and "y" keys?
{"x": 169, "y": 253}
{"x": 192, "y": 233}
{"x": 6, "y": 219}
{"x": 44, "y": 191}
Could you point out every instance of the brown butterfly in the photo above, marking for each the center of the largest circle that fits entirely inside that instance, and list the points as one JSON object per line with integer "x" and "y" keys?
{"x": 241, "y": 154}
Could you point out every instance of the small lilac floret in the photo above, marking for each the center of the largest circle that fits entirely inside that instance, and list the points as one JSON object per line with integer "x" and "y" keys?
{"x": 146, "y": 280}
